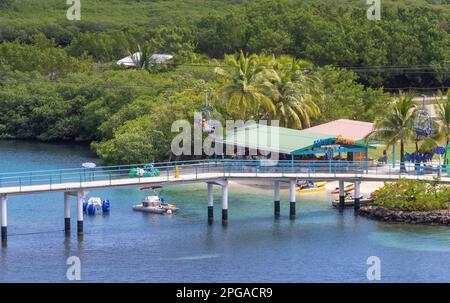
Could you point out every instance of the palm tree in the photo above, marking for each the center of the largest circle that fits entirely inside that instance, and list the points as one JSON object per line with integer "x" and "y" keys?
{"x": 295, "y": 94}
{"x": 247, "y": 87}
{"x": 143, "y": 58}
{"x": 442, "y": 109}
{"x": 398, "y": 125}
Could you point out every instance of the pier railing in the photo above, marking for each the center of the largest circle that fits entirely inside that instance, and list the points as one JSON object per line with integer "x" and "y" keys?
{"x": 195, "y": 169}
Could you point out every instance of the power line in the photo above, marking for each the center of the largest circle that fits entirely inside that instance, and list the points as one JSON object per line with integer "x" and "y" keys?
{"x": 201, "y": 89}
{"x": 437, "y": 64}
{"x": 150, "y": 85}
{"x": 430, "y": 68}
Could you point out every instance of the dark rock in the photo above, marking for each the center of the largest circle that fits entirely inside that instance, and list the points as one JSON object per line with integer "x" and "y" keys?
{"x": 440, "y": 217}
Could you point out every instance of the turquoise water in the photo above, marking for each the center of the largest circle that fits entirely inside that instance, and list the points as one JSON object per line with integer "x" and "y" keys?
{"x": 125, "y": 246}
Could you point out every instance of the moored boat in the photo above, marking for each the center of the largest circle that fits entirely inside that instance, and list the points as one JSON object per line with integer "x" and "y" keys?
{"x": 310, "y": 187}
{"x": 95, "y": 206}
{"x": 350, "y": 201}
{"x": 347, "y": 189}
{"x": 155, "y": 204}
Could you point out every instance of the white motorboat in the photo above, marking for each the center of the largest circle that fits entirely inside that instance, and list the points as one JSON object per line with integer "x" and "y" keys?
{"x": 350, "y": 201}
{"x": 155, "y": 204}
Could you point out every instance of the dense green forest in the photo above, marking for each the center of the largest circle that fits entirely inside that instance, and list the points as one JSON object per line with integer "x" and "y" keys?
{"x": 59, "y": 80}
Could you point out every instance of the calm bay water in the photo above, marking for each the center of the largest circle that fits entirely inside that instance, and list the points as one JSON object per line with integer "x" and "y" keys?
{"x": 125, "y": 246}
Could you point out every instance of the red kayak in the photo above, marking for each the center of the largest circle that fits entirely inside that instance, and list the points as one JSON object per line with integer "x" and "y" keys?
{"x": 347, "y": 189}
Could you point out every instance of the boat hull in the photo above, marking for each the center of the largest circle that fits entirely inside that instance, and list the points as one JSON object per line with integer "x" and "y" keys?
{"x": 153, "y": 210}
{"x": 311, "y": 190}
{"x": 321, "y": 184}
{"x": 347, "y": 189}
{"x": 351, "y": 202}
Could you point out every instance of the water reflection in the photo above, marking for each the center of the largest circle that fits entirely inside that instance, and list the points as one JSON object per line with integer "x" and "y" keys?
{"x": 413, "y": 237}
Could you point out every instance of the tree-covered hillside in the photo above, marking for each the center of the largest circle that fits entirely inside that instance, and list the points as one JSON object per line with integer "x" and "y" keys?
{"x": 314, "y": 61}
{"x": 413, "y": 32}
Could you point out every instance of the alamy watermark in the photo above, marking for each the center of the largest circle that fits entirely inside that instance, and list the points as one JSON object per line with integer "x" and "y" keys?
{"x": 374, "y": 271}
{"x": 374, "y": 10}
{"x": 74, "y": 11}
{"x": 73, "y": 272}
{"x": 243, "y": 138}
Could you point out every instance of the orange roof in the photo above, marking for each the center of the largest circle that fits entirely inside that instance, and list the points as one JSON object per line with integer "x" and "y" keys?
{"x": 350, "y": 129}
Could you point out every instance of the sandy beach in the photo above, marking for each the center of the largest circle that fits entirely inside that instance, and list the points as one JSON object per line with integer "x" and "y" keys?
{"x": 366, "y": 187}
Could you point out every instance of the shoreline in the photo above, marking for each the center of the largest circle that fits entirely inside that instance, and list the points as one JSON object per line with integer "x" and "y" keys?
{"x": 379, "y": 213}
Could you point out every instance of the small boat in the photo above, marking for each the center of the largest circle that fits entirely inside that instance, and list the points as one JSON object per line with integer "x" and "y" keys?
{"x": 350, "y": 201}
{"x": 155, "y": 204}
{"x": 320, "y": 184}
{"x": 95, "y": 206}
{"x": 347, "y": 189}
{"x": 311, "y": 187}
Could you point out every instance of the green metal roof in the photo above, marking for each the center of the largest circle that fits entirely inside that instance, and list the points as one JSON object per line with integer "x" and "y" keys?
{"x": 272, "y": 138}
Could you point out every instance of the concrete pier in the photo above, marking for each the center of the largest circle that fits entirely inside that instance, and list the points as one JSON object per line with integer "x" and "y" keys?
{"x": 66, "y": 213}
{"x": 276, "y": 203}
{"x": 210, "y": 203}
{"x": 3, "y": 201}
{"x": 225, "y": 203}
{"x": 292, "y": 199}
{"x": 80, "y": 196}
{"x": 341, "y": 196}
{"x": 218, "y": 172}
{"x": 357, "y": 203}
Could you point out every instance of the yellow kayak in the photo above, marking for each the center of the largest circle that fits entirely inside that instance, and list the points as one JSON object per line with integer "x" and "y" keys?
{"x": 310, "y": 190}
{"x": 318, "y": 186}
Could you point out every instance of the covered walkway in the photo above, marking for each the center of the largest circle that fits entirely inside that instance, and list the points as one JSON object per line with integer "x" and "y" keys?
{"x": 323, "y": 142}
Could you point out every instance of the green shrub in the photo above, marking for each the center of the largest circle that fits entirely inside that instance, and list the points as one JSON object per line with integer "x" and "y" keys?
{"x": 413, "y": 195}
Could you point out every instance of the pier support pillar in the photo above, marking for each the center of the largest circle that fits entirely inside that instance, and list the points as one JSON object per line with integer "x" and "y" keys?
{"x": 341, "y": 196}
{"x": 210, "y": 203}
{"x": 80, "y": 196}
{"x": 66, "y": 213}
{"x": 3, "y": 199}
{"x": 292, "y": 199}
{"x": 225, "y": 203}
{"x": 357, "y": 203}
{"x": 276, "y": 203}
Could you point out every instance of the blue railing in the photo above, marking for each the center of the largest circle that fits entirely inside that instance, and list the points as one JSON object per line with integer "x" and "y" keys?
{"x": 195, "y": 168}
